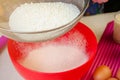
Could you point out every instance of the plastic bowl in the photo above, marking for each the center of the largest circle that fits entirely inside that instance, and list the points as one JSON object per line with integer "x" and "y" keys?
{"x": 73, "y": 74}
{"x": 7, "y": 7}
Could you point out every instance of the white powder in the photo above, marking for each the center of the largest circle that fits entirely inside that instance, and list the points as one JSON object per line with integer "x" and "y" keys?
{"x": 42, "y": 16}
{"x": 57, "y": 55}
{"x": 55, "y": 58}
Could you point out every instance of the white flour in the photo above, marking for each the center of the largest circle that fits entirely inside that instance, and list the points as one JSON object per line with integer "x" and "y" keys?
{"x": 42, "y": 16}
{"x": 58, "y": 55}
{"x": 55, "y": 58}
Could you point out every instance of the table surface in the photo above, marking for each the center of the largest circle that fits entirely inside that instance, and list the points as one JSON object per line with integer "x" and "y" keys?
{"x": 96, "y": 23}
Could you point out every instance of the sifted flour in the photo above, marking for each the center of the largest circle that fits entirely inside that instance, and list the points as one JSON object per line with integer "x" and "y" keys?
{"x": 55, "y": 58}
{"x": 30, "y": 17}
{"x": 57, "y": 55}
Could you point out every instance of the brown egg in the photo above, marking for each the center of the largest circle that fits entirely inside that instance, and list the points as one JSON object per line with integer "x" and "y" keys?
{"x": 118, "y": 74}
{"x": 112, "y": 78}
{"x": 102, "y": 73}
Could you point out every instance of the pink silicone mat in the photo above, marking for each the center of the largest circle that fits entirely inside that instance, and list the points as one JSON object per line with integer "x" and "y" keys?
{"x": 108, "y": 53}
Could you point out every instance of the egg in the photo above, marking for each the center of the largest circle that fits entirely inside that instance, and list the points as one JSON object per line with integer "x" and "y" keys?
{"x": 118, "y": 74}
{"x": 102, "y": 72}
{"x": 112, "y": 78}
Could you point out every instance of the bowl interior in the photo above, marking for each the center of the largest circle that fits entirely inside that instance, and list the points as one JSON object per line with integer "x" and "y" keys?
{"x": 17, "y": 50}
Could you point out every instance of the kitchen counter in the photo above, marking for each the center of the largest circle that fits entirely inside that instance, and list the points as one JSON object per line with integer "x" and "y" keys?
{"x": 96, "y": 23}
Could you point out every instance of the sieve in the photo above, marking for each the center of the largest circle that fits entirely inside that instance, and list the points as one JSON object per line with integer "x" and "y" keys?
{"x": 7, "y": 7}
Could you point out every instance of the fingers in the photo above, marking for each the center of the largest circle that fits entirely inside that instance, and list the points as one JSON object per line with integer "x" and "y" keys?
{"x": 100, "y": 1}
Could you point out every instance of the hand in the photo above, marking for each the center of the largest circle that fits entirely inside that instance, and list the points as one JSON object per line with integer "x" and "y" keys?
{"x": 100, "y": 1}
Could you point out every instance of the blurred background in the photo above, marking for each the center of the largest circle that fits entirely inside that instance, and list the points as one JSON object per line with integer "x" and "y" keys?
{"x": 110, "y": 6}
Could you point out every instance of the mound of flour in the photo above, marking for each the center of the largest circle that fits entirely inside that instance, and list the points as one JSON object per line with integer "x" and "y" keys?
{"x": 53, "y": 58}
{"x": 30, "y": 17}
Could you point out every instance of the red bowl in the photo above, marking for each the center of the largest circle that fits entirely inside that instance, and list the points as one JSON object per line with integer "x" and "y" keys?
{"x": 74, "y": 74}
